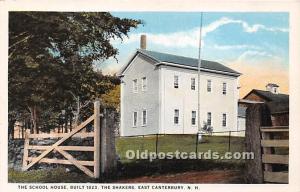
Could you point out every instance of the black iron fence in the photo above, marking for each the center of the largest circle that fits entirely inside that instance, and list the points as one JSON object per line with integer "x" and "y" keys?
{"x": 225, "y": 141}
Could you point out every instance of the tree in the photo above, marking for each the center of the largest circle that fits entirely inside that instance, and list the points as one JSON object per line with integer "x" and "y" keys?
{"x": 51, "y": 55}
{"x": 112, "y": 98}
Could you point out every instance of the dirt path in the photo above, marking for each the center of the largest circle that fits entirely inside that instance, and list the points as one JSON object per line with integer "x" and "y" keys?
{"x": 214, "y": 176}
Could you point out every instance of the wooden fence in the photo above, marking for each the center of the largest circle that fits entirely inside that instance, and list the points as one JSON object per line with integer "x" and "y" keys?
{"x": 271, "y": 156}
{"x": 269, "y": 144}
{"x": 28, "y": 161}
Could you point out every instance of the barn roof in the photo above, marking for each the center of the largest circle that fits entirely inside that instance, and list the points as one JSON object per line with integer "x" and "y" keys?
{"x": 278, "y": 106}
{"x": 269, "y": 96}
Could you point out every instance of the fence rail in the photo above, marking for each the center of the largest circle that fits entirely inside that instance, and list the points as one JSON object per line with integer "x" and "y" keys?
{"x": 267, "y": 136}
{"x": 57, "y": 135}
{"x": 269, "y": 156}
{"x": 28, "y": 161}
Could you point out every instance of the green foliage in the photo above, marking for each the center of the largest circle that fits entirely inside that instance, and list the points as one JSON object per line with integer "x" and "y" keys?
{"x": 51, "y": 57}
{"x": 66, "y": 34}
{"x": 112, "y": 98}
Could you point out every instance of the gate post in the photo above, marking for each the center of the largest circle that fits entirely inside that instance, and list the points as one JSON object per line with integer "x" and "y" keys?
{"x": 257, "y": 115}
{"x": 25, "y": 150}
{"x": 254, "y": 173}
{"x": 96, "y": 139}
{"x": 108, "y": 151}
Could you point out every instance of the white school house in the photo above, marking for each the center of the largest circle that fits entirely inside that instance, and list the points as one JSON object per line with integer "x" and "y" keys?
{"x": 159, "y": 95}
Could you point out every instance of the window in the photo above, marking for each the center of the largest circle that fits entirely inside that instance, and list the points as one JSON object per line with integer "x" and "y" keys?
{"x": 224, "y": 88}
{"x": 193, "y": 83}
{"x": 175, "y": 81}
{"x": 144, "y": 120}
{"x": 144, "y": 84}
{"x": 135, "y": 117}
{"x": 193, "y": 117}
{"x": 176, "y": 116}
{"x": 209, "y": 85}
{"x": 224, "y": 120}
{"x": 135, "y": 86}
{"x": 209, "y": 118}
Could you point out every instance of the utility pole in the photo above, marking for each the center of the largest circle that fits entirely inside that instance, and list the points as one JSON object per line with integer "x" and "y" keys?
{"x": 199, "y": 69}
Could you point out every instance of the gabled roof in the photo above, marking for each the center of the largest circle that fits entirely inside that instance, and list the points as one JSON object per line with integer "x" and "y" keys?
{"x": 185, "y": 62}
{"x": 269, "y": 96}
{"x": 247, "y": 101}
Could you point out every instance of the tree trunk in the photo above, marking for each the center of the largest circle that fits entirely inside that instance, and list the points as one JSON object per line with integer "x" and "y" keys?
{"x": 30, "y": 126}
{"x": 77, "y": 112}
{"x": 23, "y": 127}
{"x": 66, "y": 123}
{"x": 34, "y": 118}
{"x": 71, "y": 122}
{"x": 11, "y": 124}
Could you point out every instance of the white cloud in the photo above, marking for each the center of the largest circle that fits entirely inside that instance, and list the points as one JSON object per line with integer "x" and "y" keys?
{"x": 247, "y": 27}
{"x": 253, "y": 54}
{"x": 190, "y": 38}
{"x": 228, "y": 47}
{"x": 215, "y": 25}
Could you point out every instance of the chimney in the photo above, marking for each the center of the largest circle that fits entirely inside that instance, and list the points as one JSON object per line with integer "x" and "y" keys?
{"x": 143, "y": 43}
{"x": 273, "y": 88}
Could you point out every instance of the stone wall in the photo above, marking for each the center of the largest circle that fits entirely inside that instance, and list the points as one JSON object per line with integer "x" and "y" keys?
{"x": 15, "y": 154}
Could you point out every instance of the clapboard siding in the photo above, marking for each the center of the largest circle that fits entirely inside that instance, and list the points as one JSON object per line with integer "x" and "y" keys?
{"x": 149, "y": 100}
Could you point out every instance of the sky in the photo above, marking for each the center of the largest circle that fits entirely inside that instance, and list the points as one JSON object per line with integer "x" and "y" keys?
{"x": 255, "y": 44}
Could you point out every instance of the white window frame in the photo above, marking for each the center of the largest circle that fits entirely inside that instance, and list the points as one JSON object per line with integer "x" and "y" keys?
{"x": 135, "y": 86}
{"x": 194, "y": 118}
{"x": 144, "y": 124}
{"x": 176, "y": 81}
{"x": 224, "y": 88}
{"x": 209, "y": 118}
{"x": 193, "y": 83}
{"x": 134, "y": 123}
{"x": 224, "y": 120}
{"x": 144, "y": 84}
{"x": 176, "y": 116}
{"x": 209, "y": 85}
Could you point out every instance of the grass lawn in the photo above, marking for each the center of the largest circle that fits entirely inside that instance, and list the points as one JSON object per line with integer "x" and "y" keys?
{"x": 182, "y": 143}
{"x": 139, "y": 168}
{"x": 56, "y": 175}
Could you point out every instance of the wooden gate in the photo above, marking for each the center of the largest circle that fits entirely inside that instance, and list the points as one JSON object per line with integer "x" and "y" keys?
{"x": 275, "y": 152}
{"x": 269, "y": 141}
{"x": 28, "y": 161}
